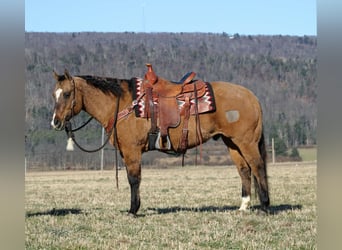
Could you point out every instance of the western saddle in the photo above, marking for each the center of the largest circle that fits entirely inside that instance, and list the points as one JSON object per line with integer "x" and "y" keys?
{"x": 162, "y": 106}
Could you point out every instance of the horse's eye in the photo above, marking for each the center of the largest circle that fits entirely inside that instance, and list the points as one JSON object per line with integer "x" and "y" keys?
{"x": 66, "y": 95}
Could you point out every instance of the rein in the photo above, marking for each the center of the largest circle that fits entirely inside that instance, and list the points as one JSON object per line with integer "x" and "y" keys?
{"x": 69, "y": 131}
{"x": 76, "y": 129}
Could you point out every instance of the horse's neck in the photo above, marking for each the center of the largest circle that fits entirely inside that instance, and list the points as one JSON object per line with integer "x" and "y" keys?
{"x": 99, "y": 105}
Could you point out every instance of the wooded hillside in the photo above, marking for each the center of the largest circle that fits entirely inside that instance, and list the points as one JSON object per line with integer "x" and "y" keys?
{"x": 280, "y": 70}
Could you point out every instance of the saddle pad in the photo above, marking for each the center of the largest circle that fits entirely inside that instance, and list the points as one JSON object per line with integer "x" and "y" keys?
{"x": 206, "y": 103}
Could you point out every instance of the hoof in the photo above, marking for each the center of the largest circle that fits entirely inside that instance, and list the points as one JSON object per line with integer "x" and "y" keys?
{"x": 264, "y": 210}
{"x": 132, "y": 215}
{"x": 245, "y": 203}
{"x": 244, "y": 210}
{"x": 265, "y": 206}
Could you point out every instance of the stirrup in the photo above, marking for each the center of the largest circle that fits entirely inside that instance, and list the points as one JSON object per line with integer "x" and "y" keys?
{"x": 158, "y": 143}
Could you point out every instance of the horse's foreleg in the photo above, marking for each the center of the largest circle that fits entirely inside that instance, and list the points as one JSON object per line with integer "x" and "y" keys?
{"x": 134, "y": 182}
{"x": 245, "y": 174}
{"x": 134, "y": 177}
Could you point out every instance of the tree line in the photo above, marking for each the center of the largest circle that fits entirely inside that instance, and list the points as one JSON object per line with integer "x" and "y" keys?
{"x": 280, "y": 70}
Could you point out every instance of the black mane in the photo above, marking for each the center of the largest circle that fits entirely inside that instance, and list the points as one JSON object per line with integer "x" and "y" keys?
{"x": 107, "y": 84}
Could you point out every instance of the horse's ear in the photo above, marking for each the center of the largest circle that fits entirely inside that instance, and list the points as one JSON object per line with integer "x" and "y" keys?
{"x": 55, "y": 75}
{"x": 67, "y": 75}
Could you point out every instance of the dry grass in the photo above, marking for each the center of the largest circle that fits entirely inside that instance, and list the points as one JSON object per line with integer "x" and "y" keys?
{"x": 182, "y": 208}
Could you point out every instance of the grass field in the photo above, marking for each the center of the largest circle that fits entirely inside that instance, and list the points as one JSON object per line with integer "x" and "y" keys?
{"x": 308, "y": 154}
{"x": 182, "y": 208}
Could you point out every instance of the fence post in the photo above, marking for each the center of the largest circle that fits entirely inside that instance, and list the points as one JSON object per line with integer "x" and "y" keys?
{"x": 273, "y": 152}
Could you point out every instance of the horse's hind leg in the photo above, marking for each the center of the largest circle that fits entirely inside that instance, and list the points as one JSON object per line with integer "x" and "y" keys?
{"x": 245, "y": 174}
{"x": 244, "y": 171}
{"x": 250, "y": 158}
{"x": 257, "y": 162}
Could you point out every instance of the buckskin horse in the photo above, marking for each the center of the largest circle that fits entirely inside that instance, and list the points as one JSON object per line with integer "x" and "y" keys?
{"x": 237, "y": 119}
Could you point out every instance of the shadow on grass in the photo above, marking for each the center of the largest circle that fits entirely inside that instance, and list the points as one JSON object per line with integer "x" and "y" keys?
{"x": 168, "y": 210}
{"x": 56, "y": 212}
{"x": 282, "y": 208}
{"x": 272, "y": 210}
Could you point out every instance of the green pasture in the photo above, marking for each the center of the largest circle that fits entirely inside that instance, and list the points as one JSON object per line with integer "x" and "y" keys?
{"x": 308, "y": 154}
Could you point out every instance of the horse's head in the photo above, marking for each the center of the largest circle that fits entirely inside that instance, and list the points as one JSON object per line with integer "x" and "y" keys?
{"x": 67, "y": 100}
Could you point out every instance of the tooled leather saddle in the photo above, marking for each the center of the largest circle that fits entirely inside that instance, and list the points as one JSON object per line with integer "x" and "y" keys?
{"x": 165, "y": 102}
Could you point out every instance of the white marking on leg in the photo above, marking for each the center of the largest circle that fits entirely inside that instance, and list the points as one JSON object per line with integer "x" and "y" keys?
{"x": 245, "y": 203}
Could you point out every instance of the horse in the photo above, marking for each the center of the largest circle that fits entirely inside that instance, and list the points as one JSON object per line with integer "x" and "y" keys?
{"x": 237, "y": 120}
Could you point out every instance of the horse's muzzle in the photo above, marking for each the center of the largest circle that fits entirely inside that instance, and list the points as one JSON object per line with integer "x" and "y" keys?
{"x": 57, "y": 124}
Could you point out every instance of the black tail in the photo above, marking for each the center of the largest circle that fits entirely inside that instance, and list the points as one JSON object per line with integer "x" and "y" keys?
{"x": 262, "y": 149}
{"x": 263, "y": 154}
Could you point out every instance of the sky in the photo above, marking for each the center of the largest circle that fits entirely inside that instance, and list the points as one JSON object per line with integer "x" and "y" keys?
{"x": 245, "y": 17}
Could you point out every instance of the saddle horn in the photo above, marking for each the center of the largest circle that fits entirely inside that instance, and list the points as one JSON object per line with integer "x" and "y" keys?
{"x": 150, "y": 76}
